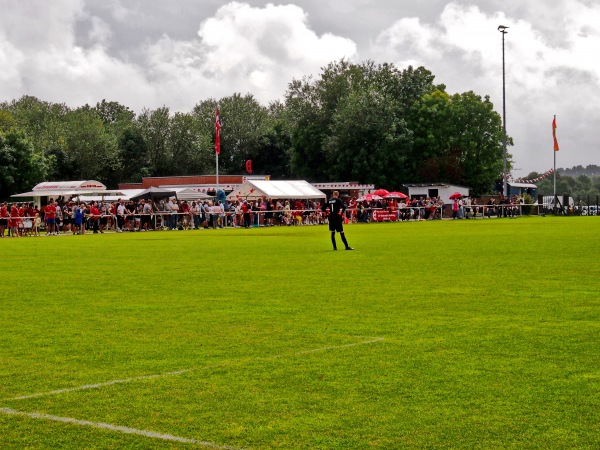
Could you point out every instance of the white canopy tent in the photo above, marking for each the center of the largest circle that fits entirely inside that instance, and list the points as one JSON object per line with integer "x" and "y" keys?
{"x": 84, "y": 190}
{"x": 64, "y": 188}
{"x": 279, "y": 189}
{"x": 190, "y": 194}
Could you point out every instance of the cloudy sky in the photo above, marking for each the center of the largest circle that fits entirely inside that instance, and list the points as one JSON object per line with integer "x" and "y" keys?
{"x": 152, "y": 53}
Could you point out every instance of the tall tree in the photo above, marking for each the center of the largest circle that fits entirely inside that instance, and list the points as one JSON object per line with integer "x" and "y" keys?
{"x": 244, "y": 126}
{"x": 20, "y": 167}
{"x": 133, "y": 154}
{"x": 44, "y": 124}
{"x": 351, "y": 122}
{"x": 189, "y": 145}
{"x": 155, "y": 127}
{"x": 90, "y": 147}
{"x": 273, "y": 156}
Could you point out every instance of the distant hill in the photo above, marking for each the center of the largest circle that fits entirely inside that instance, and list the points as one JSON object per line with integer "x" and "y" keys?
{"x": 591, "y": 171}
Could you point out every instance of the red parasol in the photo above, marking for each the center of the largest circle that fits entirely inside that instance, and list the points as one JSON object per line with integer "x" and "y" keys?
{"x": 395, "y": 196}
{"x": 369, "y": 198}
{"x": 381, "y": 192}
{"x": 456, "y": 195}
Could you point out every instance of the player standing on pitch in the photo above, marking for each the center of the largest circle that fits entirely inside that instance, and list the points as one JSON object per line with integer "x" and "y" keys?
{"x": 335, "y": 208}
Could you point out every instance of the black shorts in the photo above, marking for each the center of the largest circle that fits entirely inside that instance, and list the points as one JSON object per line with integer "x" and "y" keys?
{"x": 336, "y": 224}
{"x": 3, "y": 222}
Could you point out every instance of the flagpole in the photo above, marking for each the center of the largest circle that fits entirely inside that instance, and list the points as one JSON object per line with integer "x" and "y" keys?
{"x": 554, "y": 199}
{"x": 217, "y": 144}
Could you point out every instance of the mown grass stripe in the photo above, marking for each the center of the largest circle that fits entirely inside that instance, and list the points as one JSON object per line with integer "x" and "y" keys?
{"x": 182, "y": 371}
{"x": 117, "y": 428}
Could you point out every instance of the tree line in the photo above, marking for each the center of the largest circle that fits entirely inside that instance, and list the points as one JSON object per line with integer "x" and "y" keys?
{"x": 361, "y": 122}
{"x": 579, "y": 187}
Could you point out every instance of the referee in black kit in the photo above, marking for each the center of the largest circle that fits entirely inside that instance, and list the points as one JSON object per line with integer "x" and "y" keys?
{"x": 335, "y": 208}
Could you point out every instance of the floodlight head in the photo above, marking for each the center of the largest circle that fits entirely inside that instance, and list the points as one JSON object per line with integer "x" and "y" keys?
{"x": 502, "y": 28}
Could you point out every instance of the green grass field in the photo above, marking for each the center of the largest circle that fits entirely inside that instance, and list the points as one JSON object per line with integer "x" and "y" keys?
{"x": 447, "y": 334}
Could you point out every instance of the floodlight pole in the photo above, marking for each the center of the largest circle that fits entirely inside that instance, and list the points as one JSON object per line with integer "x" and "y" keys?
{"x": 502, "y": 29}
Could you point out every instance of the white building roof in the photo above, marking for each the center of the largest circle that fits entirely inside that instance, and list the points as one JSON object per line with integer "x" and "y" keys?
{"x": 297, "y": 189}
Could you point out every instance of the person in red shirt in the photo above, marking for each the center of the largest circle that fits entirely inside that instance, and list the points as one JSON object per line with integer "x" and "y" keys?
{"x": 95, "y": 216}
{"x": 50, "y": 218}
{"x": 13, "y": 222}
{"x": 184, "y": 209}
{"x": 21, "y": 222}
{"x": 246, "y": 213}
{"x": 3, "y": 218}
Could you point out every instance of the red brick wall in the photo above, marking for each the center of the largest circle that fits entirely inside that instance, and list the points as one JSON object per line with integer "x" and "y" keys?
{"x": 182, "y": 180}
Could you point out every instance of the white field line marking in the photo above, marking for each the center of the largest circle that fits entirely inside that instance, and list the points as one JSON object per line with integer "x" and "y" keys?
{"x": 118, "y": 428}
{"x": 180, "y": 372}
{"x": 99, "y": 385}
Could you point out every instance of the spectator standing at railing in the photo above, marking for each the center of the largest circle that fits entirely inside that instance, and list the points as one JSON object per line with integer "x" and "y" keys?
{"x": 130, "y": 215}
{"x": 146, "y": 215}
{"x": 77, "y": 211}
{"x": 220, "y": 210}
{"x": 213, "y": 214}
{"x": 104, "y": 213}
{"x": 186, "y": 217}
{"x": 30, "y": 212}
{"x": 467, "y": 207}
{"x": 174, "y": 214}
{"x": 3, "y": 218}
{"x": 59, "y": 216}
{"x": 335, "y": 209}
{"x": 455, "y": 209}
{"x": 67, "y": 216}
{"x": 20, "y": 224}
{"x": 121, "y": 212}
{"x": 95, "y": 217}
{"x": 245, "y": 207}
{"x": 50, "y": 218}
{"x": 269, "y": 212}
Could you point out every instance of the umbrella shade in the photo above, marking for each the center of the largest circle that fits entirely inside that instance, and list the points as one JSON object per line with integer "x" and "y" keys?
{"x": 456, "y": 195}
{"x": 369, "y": 198}
{"x": 381, "y": 192}
{"x": 155, "y": 193}
{"x": 395, "y": 196}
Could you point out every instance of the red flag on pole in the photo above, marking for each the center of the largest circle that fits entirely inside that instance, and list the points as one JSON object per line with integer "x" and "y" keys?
{"x": 218, "y": 133}
{"x": 554, "y": 134}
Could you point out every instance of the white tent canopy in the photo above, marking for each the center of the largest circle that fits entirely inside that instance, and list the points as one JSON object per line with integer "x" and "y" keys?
{"x": 190, "y": 194}
{"x": 64, "y": 188}
{"x": 279, "y": 189}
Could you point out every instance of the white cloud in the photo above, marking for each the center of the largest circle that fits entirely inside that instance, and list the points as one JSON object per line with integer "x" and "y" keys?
{"x": 133, "y": 52}
{"x": 245, "y": 49}
{"x": 544, "y": 76}
{"x": 240, "y": 49}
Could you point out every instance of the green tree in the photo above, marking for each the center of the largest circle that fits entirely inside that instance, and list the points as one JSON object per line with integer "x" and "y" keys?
{"x": 458, "y": 139}
{"x": 20, "y": 167}
{"x": 478, "y": 136}
{"x": 133, "y": 153}
{"x": 368, "y": 141}
{"x": 351, "y": 123}
{"x": 90, "y": 147}
{"x": 155, "y": 127}
{"x": 44, "y": 124}
{"x": 245, "y": 125}
{"x": 189, "y": 145}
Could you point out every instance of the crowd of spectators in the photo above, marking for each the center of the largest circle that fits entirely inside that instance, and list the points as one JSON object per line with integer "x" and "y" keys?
{"x": 74, "y": 217}
{"x": 62, "y": 216}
